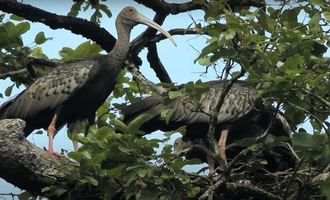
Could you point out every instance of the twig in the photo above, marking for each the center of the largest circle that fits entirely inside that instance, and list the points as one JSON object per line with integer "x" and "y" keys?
{"x": 13, "y": 73}
{"x": 322, "y": 100}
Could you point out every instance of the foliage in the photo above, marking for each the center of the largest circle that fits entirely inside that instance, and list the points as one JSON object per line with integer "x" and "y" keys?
{"x": 120, "y": 164}
{"x": 281, "y": 48}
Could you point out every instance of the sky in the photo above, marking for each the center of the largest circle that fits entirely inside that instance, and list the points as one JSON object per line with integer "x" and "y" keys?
{"x": 177, "y": 60}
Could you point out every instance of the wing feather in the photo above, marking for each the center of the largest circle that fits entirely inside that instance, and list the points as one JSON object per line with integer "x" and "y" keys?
{"x": 52, "y": 89}
{"x": 237, "y": 103}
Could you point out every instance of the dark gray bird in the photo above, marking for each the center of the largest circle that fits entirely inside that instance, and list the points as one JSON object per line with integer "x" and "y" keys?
{"x": 278, "y": 157}
{"x": 238, "y": 110}
{"x": 75, "y": 90}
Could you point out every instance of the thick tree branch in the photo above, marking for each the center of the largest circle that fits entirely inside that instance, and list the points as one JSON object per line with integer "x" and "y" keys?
{"x": 176, "y": 8}
{"x": 157, "y": 65}
{"x": 27, "y": 166}
{"x": 79, "y": 26}
{"x": 171, "y": 8}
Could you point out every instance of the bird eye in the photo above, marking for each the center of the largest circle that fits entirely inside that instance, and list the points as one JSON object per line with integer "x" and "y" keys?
{"x": 130, "y": 9}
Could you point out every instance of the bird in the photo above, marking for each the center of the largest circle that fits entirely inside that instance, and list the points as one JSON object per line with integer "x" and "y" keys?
{"x": 75, "y": 90}
{"x": 277, "y": 157}
{"x": 239, "y": 109}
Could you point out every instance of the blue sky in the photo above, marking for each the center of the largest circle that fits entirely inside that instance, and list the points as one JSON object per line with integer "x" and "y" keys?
{"x": 177, "y": 60}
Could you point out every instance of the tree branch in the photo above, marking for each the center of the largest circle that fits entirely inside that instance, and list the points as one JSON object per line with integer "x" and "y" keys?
{"x": 321, "y": 99}
{"x": 177, "y": 31}
{"x": 143, "y": 39}
{"x": 170, "y": 8}
{"x": 176, "y": 8}
{"x": 79, "y": 26}
{"x": 238, "y": 191}
{"x": 27, "y": 166}
{"x": 13, "y": 73}
{"x": 141, "y": 79}
{"x": 157, "y": 65}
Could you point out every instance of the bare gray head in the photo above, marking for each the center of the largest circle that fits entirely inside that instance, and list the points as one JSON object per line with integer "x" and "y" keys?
{"x": 179, "y": 145}
{"x": 130, "y": 17}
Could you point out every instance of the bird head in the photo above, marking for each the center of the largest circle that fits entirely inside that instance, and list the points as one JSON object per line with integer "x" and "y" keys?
{"x": 179, "y": 145}
{"x": 131, "y": 17}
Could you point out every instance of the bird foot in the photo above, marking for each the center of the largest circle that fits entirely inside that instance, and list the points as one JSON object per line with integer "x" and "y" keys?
{"x": 61, "y": 155}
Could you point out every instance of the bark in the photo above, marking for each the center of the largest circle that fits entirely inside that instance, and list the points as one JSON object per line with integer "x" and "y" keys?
{"x": 27, "y": 166}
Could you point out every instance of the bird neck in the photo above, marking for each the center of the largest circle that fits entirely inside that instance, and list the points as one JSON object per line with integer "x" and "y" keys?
{"x": 120, "y": 50}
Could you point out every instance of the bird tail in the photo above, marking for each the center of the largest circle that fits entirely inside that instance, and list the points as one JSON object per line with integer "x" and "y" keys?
{"x": 4, "y": 107}
{"x": 151, "y": 106}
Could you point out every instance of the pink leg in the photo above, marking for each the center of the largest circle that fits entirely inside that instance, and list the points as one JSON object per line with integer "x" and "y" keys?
{"x": 51, "y": 132}
{"x": 210, "y": 161}
{"x": 222, "y": 144}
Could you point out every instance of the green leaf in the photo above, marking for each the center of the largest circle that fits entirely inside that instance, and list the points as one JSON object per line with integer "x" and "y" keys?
{"x": 307, "y": 140}
{"x": 25, "y": 195}
{"x": 125, "y": 150}
{"x": 142, "y": 172}
{"x": 193, "y": 191}
{"x": 96, "y": 16}
{"x": 325, "y": 188}
{"x": 58, "y": 192}
{"x": 175, "y": 94}
{"x": 16, "y": 18}
{"x": 40, "y": 38}
{"x": 21, "y": 28}
{"x": 75, "y": 8}
{"x": 106, "y": 10}
{"x": 45, "y": 189}
{"x": 255, "y": 147}
{"x": 314, "y": 23}
{"x": 116, "y": 171}
{"x": 205, "y": 61}
{"x": 83, "y": 50}
{"x": 119, "y": 125}
{"x": 134, "y": 125}
{"x": 327, "y": 15}
{"x": 167, "y": 114}
{"x": 9, "y": 90}
{"x": 91, "y": 180}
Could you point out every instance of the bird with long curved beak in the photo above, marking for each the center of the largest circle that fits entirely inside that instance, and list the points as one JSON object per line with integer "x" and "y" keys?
{"x": 75, "y": 90}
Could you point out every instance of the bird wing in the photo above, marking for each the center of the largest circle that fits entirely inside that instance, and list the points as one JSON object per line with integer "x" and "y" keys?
{"x": 237, "y": 103}
{"x": 51, "y": 90}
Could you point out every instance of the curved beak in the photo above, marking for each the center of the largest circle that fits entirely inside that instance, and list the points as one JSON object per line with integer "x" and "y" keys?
{"x": 142, "y": 19}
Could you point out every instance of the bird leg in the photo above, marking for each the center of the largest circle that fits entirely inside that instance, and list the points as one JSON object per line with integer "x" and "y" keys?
{"x": 51, "y": 132}
{"x": 74, "y": 129}
{"x": 211, "y": 164}
{"x": 222, "y": 144}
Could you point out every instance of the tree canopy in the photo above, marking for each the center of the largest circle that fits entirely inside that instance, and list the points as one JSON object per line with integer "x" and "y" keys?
{"x": 281, "y": 47}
